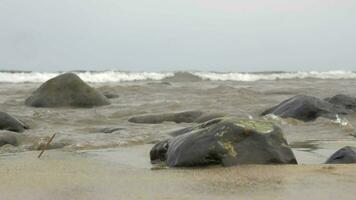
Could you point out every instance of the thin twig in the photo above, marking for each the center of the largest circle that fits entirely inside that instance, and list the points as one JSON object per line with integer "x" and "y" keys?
{"x": 46, "y": 146}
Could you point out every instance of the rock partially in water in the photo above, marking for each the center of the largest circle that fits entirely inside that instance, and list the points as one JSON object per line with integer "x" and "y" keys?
{"x": 179, "y": 117}
{"x": 208, "y": 116}
{"x": 305, "y": 108}
{"x": 110, "y": 95}
{"x": 182, "y": 77}
{"x": 10, "y": 123}
{"x": 7, "y": 137}
{"x": 227, "y": 142}
{"x": 66, "y": 90}
{"x": 345, "y": 101}
{"x": 110, "y": 129}
{"x": 345, "y": 155}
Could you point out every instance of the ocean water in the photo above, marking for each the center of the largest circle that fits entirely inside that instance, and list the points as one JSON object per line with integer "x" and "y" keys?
{"x": 120, "y": 76}
{"x": 243, "y": 95}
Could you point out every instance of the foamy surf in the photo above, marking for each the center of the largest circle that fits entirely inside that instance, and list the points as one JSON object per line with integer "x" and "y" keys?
{"x": 119, "y": 76}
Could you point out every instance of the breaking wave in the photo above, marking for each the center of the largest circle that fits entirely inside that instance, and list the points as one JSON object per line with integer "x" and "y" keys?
{"x": 118, "y": 76}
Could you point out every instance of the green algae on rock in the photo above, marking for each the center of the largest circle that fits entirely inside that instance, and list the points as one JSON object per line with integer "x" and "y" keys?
{"x": 225, "y": 141}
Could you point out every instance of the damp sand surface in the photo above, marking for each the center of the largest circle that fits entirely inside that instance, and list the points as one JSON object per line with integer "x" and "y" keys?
{"x": 106, "y": 174}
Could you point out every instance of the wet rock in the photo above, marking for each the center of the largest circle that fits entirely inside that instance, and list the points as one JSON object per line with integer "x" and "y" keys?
{"x": 110, "y": 95}
{"x": 7, "y": 137}
{"x": 208, "y": 116}
{"x": 345, "y": 155}
{"x": 10, "y": 123}
{"x": 305, "y": 108}
{"x": 186, "y": 116}
{"x": 110, "y": 130}
{"x": 182, "y": 77}
{"x": 227, "y": 142}
{"x": 345, "y": 101}
{"x": 66, "y": 90}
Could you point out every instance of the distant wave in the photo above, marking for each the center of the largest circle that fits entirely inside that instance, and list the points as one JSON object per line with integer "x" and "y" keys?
{"x": 118, "y": 76}
{"x": 94, "y": 77}
{"x": 235, "y": 76}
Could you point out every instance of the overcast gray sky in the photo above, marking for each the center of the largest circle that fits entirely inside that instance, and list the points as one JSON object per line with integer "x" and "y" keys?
{"x": 155, "y": 35}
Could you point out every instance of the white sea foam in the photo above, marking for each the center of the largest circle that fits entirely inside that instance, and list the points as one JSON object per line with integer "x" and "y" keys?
{"x": 235, "y": 76}
{"x": 117, "y": 76}
{"x": 94, "y": 77}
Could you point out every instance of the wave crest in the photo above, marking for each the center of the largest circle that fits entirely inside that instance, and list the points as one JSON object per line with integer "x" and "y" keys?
{"x": 118, "y": 76}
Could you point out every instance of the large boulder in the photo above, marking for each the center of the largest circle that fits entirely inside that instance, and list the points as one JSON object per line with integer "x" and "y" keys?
{"x": 305, "y": 108}
{"x": 10, "y": 123}
{"x": 345, "y": 155}
{"x": 66, "y": 90}
{"x": 227, "y": 142}
{"x": 345, "y": 101}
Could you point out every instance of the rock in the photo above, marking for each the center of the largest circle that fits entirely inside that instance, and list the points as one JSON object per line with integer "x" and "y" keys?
{"x": 345, "y": 101}
{"x": 7, "y": 137}
{"x": 182, "y": 77}
{"x": 227, "y": 142}
{"x": 345, "y": 155}
{"x": 66, "y": 90}
{"x": 186, "y": 116}
{"x": 110, "y": 130}
{"x": 305, "y": 108}
{"x": 208, "y": 116}
{"x": 110, "y": 95}
{"x": 10, "y": 123}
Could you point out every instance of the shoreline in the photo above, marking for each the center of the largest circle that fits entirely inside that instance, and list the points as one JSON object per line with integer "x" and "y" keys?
{"x": 94, "y": 175}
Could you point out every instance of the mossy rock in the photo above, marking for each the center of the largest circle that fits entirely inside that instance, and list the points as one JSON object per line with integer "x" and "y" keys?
{"x": 225, "y": 141}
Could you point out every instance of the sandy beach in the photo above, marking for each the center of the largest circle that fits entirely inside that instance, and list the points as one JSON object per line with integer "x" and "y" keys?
{"x": 86, "y": 175}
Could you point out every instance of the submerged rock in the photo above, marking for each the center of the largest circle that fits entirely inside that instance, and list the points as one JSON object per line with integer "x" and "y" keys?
{"x": 66, "y": 90}
{"x": 345, "y": 155}
{"x": 10, "y": 123}
{"x": 305, "y": 108}
{"x": 110, "y": 95}
{"x": 345, "y": 101}
{"x": 182, "y": 77}
{"x": 110, "y": 130}
{"x": 208, "y": 116}
{"x": 7, "y": 137}
{"x": 186, "y": 116}
{"x": 227, "y": 142}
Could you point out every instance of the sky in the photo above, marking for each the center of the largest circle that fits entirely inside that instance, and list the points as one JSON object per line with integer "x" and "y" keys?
{"x": 170, "y": 35}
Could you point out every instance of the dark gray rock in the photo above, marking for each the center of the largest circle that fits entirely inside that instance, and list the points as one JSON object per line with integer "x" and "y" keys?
{"x": 208, "y": 116}
{"x": 110, "y": 95}
{"x": 110, "y": 130}
{"x": 345, "y": 101}
{"x": 10, "y": 123}
{"x": 345, "y": 155}
{"x": 182, "y": 77}
{"x": 227, "y": 142}
{"x": 7, "y": 137}
{"x": 186, "y": 116}
{"x": 305, "y": 108}
{"x": 66, "y": 90}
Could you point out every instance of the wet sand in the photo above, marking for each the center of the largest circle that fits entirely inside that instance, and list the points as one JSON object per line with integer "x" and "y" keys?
{"x": 91, "y": 175}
